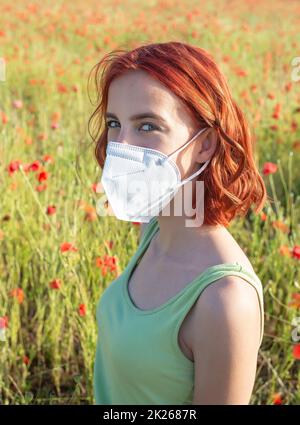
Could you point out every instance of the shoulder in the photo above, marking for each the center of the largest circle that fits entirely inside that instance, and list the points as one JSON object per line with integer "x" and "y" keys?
{"x": 226, "y": 290}
{"x": 228, "y": 306}
{"x": 225, "y": 332}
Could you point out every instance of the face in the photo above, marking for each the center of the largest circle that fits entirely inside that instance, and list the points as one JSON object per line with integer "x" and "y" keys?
{"x": 137, "y": 93}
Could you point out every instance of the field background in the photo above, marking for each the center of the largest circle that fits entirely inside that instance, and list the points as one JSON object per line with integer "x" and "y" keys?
{"x": 56, "y": 253}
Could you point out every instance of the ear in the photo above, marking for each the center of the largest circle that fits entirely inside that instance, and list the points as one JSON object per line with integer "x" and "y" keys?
{"x": 208, "y": 146}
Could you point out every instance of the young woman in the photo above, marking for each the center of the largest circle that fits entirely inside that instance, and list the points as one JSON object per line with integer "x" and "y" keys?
{"x": 184, "y": 322}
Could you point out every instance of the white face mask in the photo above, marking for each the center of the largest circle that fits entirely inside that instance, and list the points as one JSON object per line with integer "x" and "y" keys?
{"x": 139, "y": 182}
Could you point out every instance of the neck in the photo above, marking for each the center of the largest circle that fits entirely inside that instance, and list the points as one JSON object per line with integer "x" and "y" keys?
{"x": 174, "y": 236}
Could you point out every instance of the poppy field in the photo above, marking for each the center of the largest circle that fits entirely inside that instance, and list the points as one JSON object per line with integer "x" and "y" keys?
{"x": 56, "y": 253}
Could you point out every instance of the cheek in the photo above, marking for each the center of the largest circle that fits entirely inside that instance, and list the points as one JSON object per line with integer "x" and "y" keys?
{"x": 186, "y": 164}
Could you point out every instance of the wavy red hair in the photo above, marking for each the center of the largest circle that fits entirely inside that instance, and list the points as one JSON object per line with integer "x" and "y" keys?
{"x": 232, "y": 182}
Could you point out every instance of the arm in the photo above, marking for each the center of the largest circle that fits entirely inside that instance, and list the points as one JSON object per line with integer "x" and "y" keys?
{"x": 226, "y": 334}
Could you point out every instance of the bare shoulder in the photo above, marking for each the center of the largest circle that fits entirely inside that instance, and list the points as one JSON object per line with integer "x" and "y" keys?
{"x": 229, "y": 305}
{"x": 225, "y": 342}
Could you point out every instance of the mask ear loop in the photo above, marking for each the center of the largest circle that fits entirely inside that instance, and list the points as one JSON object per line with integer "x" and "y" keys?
{"x": 176, "y": 189}
{"x": 160, "y": 161}
{"x": 181, "y": 183}
{"x": 195, "y": 174}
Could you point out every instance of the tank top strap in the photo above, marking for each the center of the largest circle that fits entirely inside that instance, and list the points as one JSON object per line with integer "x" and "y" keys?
{"x": 192, "y": 291}
{"x": 149, "y": 231}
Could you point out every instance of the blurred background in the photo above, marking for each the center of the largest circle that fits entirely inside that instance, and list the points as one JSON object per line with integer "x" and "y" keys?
{"x": 56, "y": 253}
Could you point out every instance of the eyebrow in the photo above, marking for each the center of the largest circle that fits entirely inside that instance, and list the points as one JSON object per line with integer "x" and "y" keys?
{"x": 140, "y": 116}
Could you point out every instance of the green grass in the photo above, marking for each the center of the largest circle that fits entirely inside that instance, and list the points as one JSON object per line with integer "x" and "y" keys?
{"x": 58, "y": 43}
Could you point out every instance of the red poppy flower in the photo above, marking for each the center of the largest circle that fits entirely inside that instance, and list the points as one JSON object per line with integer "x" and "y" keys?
{"x": 48, "y": 158}
{"x": 296, "y": 252}
{"x": 97, "y": 187}
{"x": 109, "y": 244}
{"x": 107, "y": 262}
{"x": 276, "y": 398}
{"x": 34, "y": 166}
{"x": 276, "y": 112}
{"x": 296, "y": 351}
{"x": 26, "y": 167}
{"x": 67, "y": 246}
{"x": 17, "y": 104}
{"x": 55, "y": 284}
{"x": 90, "y": 216}
{"x": 241, "y": 72}
{"x": 42, "y": 136}
{"x": 41, "y": 187}
{"x": 285, "y": 250}
{"x": 269, "y": 168}
{"x": 13, "y": 166}
{"x": 43, "y": 175}
{"x": 82, "y": 309}
{"x": 26, "y": 360}
{"x": 54, "y": 125}
{"x": 277, "y": 224}
{"x": 294, "y": 126}
{"x": 55, "y": 116}
{"x": 296, "y": 300}
{"x": 18, "y": 293}
{"x": 263, "y": 216}
{"x": 51, "y": 209}
{"x": 288, "y": 86}
{"x": 3, "y": 322}
{"x": 61, "y": 88}
{"x": 4, "y": 117}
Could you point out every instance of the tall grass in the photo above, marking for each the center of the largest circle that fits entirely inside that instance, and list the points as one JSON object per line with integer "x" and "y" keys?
{"x": 48, "y": 289}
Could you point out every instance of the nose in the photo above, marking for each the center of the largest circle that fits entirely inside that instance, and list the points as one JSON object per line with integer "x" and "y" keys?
{"x": 122, "y": 142}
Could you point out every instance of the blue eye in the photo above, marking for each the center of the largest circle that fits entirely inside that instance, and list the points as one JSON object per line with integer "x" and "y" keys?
{"x": 109, "y": 122}
{"x": 149, "y": 123}
{"x": 145, "y": 123}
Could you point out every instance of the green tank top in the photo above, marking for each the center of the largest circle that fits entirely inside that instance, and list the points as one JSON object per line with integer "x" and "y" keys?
{"x": 138, "y": 359}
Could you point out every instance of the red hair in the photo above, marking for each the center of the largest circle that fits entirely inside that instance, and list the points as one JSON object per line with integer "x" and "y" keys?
{"x": 232, "y": 182}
